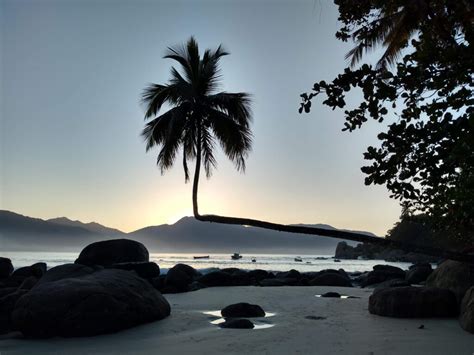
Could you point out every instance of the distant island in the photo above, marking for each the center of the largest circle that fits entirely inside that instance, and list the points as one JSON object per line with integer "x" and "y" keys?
{"x": 23, "y": 233}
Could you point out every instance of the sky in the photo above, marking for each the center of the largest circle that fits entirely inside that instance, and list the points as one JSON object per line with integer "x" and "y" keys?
{"x": 71, "y": 77}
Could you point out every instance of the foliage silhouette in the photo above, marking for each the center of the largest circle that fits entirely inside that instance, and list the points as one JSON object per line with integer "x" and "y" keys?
{"x": 426, "y": 157}
{"x": 199, "y": 117}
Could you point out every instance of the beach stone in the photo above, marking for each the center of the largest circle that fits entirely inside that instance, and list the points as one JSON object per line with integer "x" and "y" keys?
{"x": 7, "y": 304}
{"x": 216, "y": 278}
{"x": 146, "y": 269}
{"x": 259, "y": 274}
{"x": 292, "y": 274}
{"x": 237, "y": 324}
{"x": 330, "y": 279}
{"x": 28, "y": 283}
{"x": 278, "y": 282}
{"x": 413, "y": 302}
{"x": 113, "y": 251}
{"x": 466, "y": 314}
{"x": 194, "y": 286}
{"x": 391, "y": 283}
{"x": 67, "y": 271}
{"x": 418, "y": 273}
{"x": 241, "y": 278}
{"x": 37, "y": 270}
{"x": 382, "y": 273}
{"x": 6, "y": 267}
{"x": 242, "y": 309}
{"x": 180, "y": 277}
{"x": 230, "y": 270}
{"x": 453, "y": 275}
{"x": 99, "y": 302}
{"x": 7, "y": 290}
{"x": 331, "y": 295}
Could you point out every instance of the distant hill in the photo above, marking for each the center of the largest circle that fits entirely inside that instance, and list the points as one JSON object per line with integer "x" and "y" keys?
{"x": 19, "y": 232}
{"x": 202, "y": 237}
{"x": 92, "y": 226}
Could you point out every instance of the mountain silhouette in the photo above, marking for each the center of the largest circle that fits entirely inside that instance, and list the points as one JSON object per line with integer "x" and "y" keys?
{"x": 22, "y": 233}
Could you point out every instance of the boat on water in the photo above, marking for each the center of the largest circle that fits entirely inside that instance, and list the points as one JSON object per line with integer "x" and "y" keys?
{"x": 254, "y": 260}
{"x": 337, "y": 260}
{"x": 201, "y": 257}
{"x": 236, "y": 256}
{"x": 298, "y": 259}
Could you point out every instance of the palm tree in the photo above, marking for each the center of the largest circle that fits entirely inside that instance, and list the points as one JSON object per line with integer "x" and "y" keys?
{"x": 199, "y": 117}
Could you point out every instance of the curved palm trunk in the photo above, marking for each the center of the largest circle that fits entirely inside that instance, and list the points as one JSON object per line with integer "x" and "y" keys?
{"x": 357, "y": 237}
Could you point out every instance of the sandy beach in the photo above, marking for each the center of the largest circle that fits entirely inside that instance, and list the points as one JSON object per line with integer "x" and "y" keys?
{"x": 347, "y": 328}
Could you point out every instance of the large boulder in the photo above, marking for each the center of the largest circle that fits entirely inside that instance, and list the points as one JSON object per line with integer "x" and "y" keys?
{"x": 258, "y": 275}
{"x": 6, "y": 267}
{"x": 383, "y": 273}
{"x": 466, "y": 314}
{"x": 331, "y": 279}
{"x": 345, "y": 251}
{"x": 180, "y": 277}
{"x": 242, "y": 309}
{"x": 273, "y": 282}
{"x": 21, "y": 274}
{"x": 413, "y": 302}
{"x": 144, "y": 269}
{"x": 91, "y": 302}
{"x": 114, "y": 251}
{"x": 7, "y": 304}
{"x": 418, "y": 273}
{"x": 453, "y": 275}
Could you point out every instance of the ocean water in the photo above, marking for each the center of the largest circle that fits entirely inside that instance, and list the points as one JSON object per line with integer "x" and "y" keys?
{"x": 270, "y": 262}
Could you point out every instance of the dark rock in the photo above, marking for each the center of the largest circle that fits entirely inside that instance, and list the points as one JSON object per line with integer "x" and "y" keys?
{"x": 242, "y": 309}
{"x": 278, "y": 282}
{"x": 331, "y": 279}
{"x": 383, "y": 273}
{"x": 146, "y": 270}
{"x": 345, "y": 251}
{"x": 237, "y": 324}
{"x": 391, "y": 283}
{"x": 6, "y": 267}
{"x": 67, "y": 271}
{"x": 114, "y": 251}
{"x": 37, "y": 270}
{"x": 259, "y": 275}
{"x": 99, "y": 302}
{"x": 216, "y": 278}
{"x": 7, "y": 290}
{"x": 194, "y": 286}
{"x": 180, "y": 277}
{"x": 413, "y": 302}
{"x": 230, "y": 270}
{"x": 344, "y": 273}
{"x": 418, "y": 273}
{"x": 241, "y": 278}
{"x": 292, "y": 274}
{"x": 28, "y": 283}
{"x": 466, "y": 314}
{"x": 453, "y": 275}
{"x": 7, "y": 304}
{"x": 331, "y": 295}
{"x": 170, "y": 289}
{"x": 158, "y": 282}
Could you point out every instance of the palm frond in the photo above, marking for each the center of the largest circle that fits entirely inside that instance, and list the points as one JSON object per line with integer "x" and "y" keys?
{"x": 235, "y": 139}
{"x": 156, "y": 131}
{"x": 155, "y": 95}
{"x": 234, "y": 105}
{"x": 207, "y": 147}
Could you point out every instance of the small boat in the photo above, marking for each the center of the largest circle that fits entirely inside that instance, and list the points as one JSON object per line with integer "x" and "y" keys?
{"x": 337, "y": 260}
{"x": 201, "y": 257}
{"x": 298, "y": 259}
{"x": 254, "y": 260}
{"x": 236, "y": 256}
